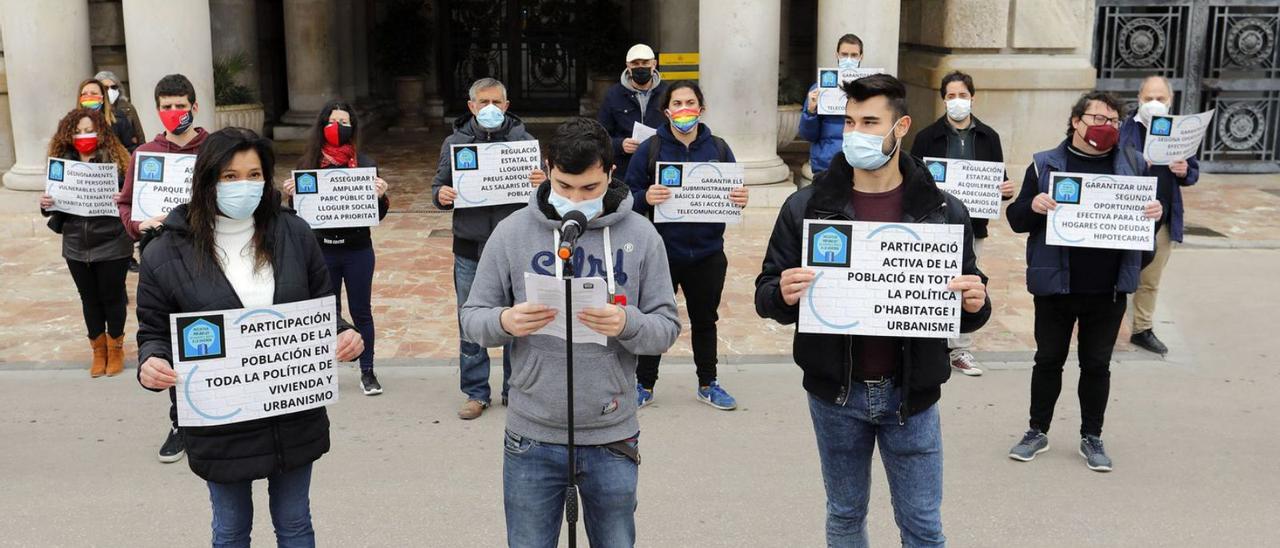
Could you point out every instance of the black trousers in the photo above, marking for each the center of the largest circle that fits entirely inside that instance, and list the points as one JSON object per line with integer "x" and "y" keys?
{"x": 103, "y": 298}
{"x": 702, "y": 283}
{"x": 1099, "y": 318}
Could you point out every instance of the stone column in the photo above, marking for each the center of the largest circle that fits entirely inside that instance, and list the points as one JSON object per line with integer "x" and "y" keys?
{"x": 235, "y": 32}
{"x": 311, "y": 63}
{"x": 165, "y": 37}
{"x": 738, "y": 42}
{"x": 6, "y": 126}
{"x": 342, "y": 34}
{"x": 46, "y": 56}
{"x": 1030, "y": 60}
{"x": 874, "y": 21}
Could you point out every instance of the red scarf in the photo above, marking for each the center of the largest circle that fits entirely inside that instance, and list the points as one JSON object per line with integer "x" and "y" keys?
{"x": 343, "y": 155}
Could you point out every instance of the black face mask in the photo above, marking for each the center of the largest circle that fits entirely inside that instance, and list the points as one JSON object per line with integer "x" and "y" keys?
{"x": 641, "y": 75}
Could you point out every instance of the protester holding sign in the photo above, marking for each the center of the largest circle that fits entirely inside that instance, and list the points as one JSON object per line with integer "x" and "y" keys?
{"x": 334, "y": 144}
{"x": 865, "y": 390}
{"x": 489, "y": 122}
{"x": 175, "y": 98}
{"x": 960, "y": 135}
{"x": 93, "y": 96}
{"x": 621, "y": 247}
{"x": 176, "y": 105}
{"x": 1076, "y": 285}
{"x": 1155, "y": 98}
{"x": 635, "y": 99}
{"x": 96, "y": 248}
{"x": 233, "y": 247}
{"x": 825, "y": 131}
{"x": 695, "y": 251}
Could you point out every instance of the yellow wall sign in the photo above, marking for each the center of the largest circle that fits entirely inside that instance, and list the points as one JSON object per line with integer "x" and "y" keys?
{"x": 678, "y": 58}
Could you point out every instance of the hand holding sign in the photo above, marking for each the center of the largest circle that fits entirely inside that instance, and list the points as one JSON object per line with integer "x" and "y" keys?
{"x": 350, "y": 346}
{"x": 971, "y": 289}
{"x": 157, "y": 374}
{"x": 793, "y": 284}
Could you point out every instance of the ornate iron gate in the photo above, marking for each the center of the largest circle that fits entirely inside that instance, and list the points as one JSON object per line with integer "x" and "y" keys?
{"x": 1217, "y": 54}
{"x": 527, "y": 44}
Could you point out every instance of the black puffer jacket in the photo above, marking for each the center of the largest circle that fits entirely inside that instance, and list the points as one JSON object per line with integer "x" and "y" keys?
{"x": 91, "y": 239}
{"x": 827, "y": 359}
{"x": 171, "y": 282}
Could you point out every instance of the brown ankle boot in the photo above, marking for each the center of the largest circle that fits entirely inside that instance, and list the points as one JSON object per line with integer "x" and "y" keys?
{"x": 99, "y": 366}
{"x": 115, "y": 355}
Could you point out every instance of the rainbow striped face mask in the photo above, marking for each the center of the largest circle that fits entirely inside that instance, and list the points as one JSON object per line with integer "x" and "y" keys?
{"x": 685, "y": 119}
{"x": 91, "y": 101}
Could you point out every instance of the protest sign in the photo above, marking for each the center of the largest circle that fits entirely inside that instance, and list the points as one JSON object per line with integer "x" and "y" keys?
{"x": 161, "y": 182}
{"x": 881, "y": 279}
{"x": 245, "y": 364}
{"x": 976, "y": 184}
{"x": 1173, "y": 138}
{"x": 490, "y": 174}
{"x": 831, "y": 98}
{"x": 699, "y": 192}
{"x": 1101, "y": 211}
{"x": 337, "y": 198}
{"x": 82, "y": 188}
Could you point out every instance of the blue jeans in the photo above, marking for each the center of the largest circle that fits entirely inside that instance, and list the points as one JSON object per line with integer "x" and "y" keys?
{"x": 473, "y": 359}
{"x": 354, "y": 269}
{"x": 533, "y": 485}
{"x": 290, "y": 510}
{"x": 912, "y": 456}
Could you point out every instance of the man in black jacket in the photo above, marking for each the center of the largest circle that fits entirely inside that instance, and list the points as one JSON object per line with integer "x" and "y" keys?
{"x": 489, "y": 122}
{"x": 961, "y": 135}
{"x": 864, "y": 390}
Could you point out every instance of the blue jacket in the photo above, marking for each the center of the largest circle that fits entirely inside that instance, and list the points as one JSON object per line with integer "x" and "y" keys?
{"x": 621, "y": 110}
{"x": 686, "y": 242}
{"x": 1134, "y": 135}
{"x": 1049, "y": 267}
{"x": 825, "y": 132}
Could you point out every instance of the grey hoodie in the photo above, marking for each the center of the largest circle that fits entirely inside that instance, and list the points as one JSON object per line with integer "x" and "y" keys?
{"x": 604, "y": 376}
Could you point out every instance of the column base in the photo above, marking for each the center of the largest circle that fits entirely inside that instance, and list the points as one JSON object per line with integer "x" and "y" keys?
{"x": 294, "y": 125}
{"x": 767, "y": 171}
{"x": 25, "y": 178}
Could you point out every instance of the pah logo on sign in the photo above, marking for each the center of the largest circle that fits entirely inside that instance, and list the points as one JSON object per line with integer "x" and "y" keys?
{"x": 829, "y": 245}
{"x": 55, "y": 170}
{"x": 672, "y": 176}
{"x": 939, "y": 171}
{"x": 830, "y": 79}
{"x": 1066, "y": 190}
{"x": 465, "y": 159}
{"x": 201, "y": 338}
{"x": 1161, "y": 126}
{"x": 151, "y": 168}
{"x": 307, "y": 184}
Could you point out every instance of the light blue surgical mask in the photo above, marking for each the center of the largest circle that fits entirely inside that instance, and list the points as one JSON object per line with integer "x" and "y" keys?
{"x": 866, "y": 152}
{"x": 239, "y": 199}
{"x": 490, "y": 117}
{"x": 589, "y": 208}
{"x": 849, "y": 63}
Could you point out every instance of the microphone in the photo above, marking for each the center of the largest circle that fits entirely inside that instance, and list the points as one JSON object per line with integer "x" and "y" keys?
{"x": 571, "y": 227}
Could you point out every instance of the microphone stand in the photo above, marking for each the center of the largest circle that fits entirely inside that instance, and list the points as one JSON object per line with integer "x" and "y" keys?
{"x": 571, "y": 492}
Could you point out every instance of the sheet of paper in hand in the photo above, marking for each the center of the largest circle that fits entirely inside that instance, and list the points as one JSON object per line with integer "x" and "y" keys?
{"x": 699, "y": 192}
{"x": 1173, "y": 138}
{"x": 161, "y": 182}
{"x": 587, "y": 293}
{"x": 641, "y": 132}
{"x": 490, "y": 174}
{"x": 246, "y": 364}
{"x": 82, "y": 188}
{"x": 976, "y": 184}
{"x": 1101, "y": 211}
{"x": 881, "y": 279}
{"x": 337, "y": 198}
{"x": 831, "y": 98}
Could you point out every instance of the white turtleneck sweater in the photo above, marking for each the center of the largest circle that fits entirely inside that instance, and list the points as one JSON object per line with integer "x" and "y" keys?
{"x": 233, "y": 239}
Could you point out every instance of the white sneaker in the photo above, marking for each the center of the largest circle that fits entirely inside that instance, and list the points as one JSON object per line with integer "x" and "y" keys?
{"x": 963, "y": 361}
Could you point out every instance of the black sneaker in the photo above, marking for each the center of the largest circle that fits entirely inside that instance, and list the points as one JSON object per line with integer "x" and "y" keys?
{"x": 175, "y": 446}
{"x": 504, "y": 401}
{"x": 1095, "y": 455}
{"x": 369, "y": 383}
{"x": 133, "y": 264}
{"x": 1147, "y": 340}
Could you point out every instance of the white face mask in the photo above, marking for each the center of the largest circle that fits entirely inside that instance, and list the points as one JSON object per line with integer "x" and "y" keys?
{"x": 958, "y": 109}
{"x": 1150, "y": 109}
{"x": 112, "y": 95}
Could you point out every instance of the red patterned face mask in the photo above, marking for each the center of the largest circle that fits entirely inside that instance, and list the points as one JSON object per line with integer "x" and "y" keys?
{"x": 86, "y": 143}
{"x": 176, "y": 121}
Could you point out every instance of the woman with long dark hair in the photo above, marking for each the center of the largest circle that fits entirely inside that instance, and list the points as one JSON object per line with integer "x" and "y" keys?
{"x": 97, "y": 249}
{"x": 334, "y": 143}
{"x": 233, "y": 247}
